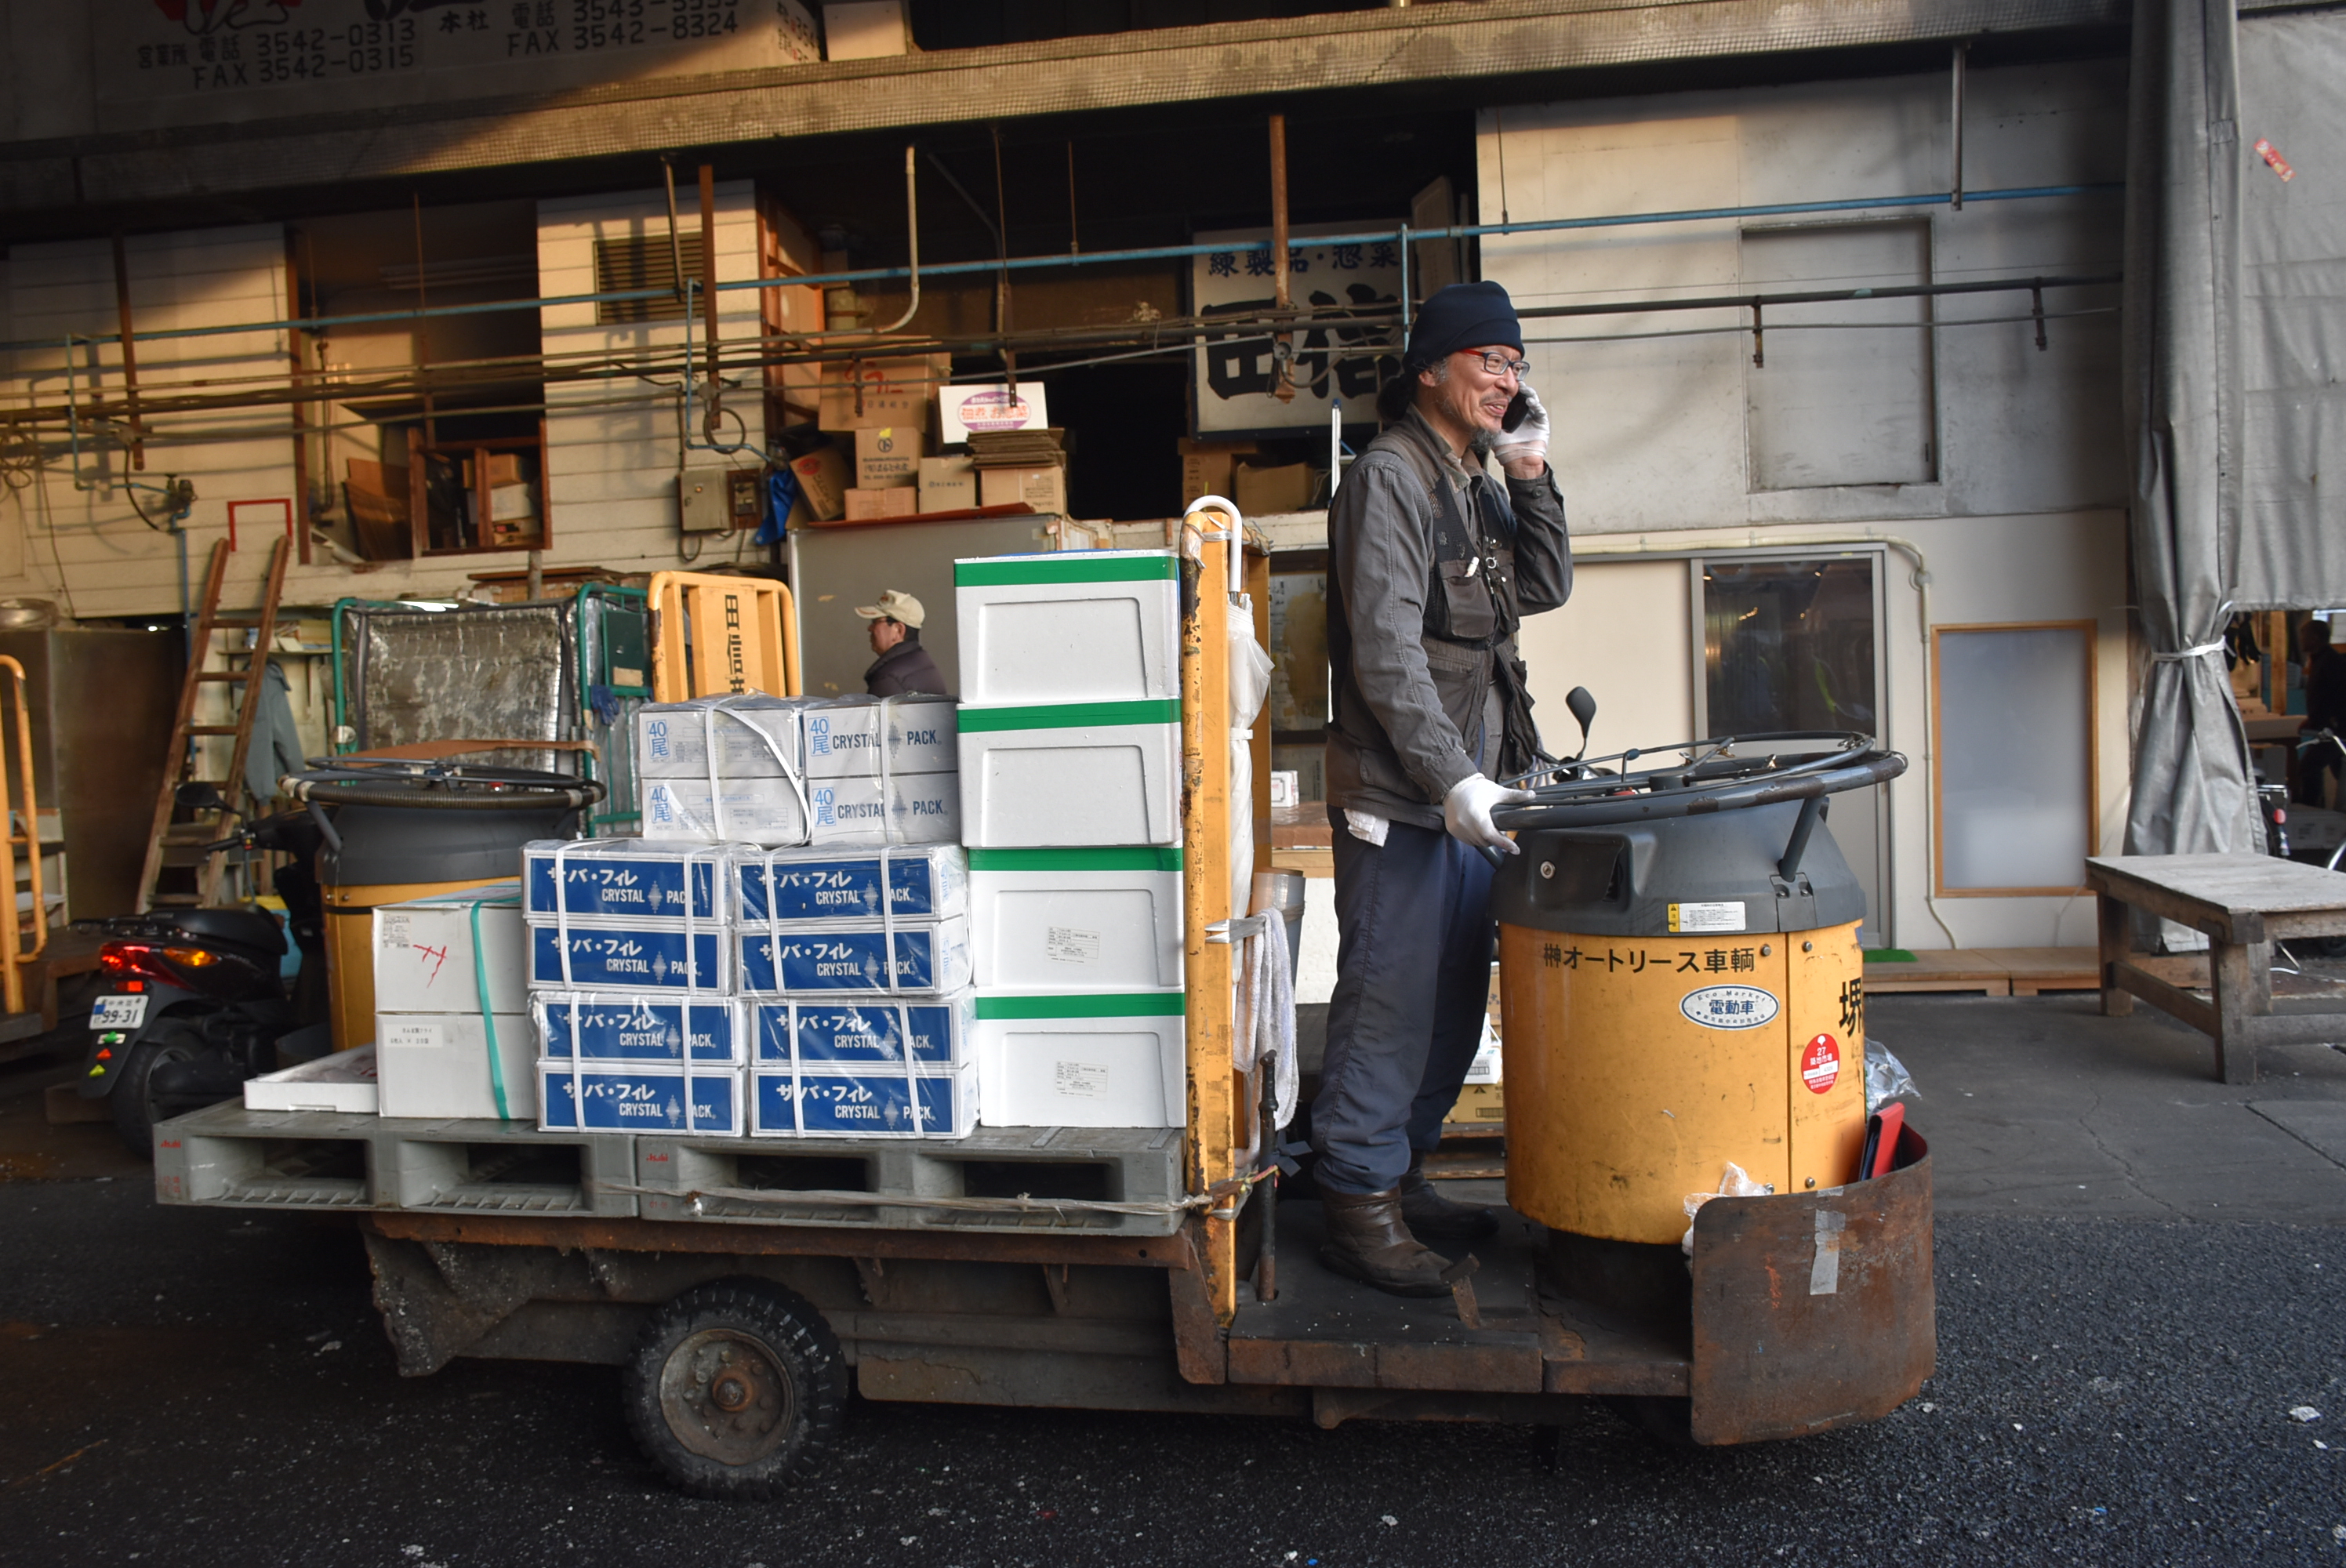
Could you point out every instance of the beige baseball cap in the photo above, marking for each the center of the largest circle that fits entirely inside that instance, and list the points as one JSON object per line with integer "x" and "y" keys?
{"x": 894, "y": 606}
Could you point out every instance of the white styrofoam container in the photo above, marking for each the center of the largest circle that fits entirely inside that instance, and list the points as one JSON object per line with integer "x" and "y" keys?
{"x": 840, "y": 1100}
{"x": 862, "y": 737}
{"x": 851, "y": 958}
{"x": 1081, "y": 1061}
{"x": 435, "y": 1065}
{"x": 924, "y": 882}
{"x": 644, "y": 956}
{"x": 424, "y": 960}
{"x": 626, "y": 879}
{"x": 640, "y": 1097}
{"x": 756, "y": 735}
{"x": 1071, "y": 774}
{"x": 338, "y": 1081}
{"x": 835, "y": 1032}
{"x": 1080, "y": 626}
{"x": 741, "y": 810}
{"x": 616, "y": 1026}
{"x": 1105, "y": 919}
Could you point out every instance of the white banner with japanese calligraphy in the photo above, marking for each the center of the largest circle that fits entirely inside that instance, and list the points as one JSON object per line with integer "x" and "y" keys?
{"x": 1234, "y": 370}
{"x": 239, "y": 57}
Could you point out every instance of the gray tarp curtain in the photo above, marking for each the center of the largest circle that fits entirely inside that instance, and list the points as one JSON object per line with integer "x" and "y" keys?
{"x": 2182, "y": 392}
{"x": 2292, "y": 541}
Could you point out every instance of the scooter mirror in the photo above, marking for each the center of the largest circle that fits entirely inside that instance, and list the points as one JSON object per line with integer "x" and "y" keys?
{"x": 1583, "y": 708}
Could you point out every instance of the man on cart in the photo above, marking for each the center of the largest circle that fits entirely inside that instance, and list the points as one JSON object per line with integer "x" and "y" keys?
{"x": 1432, "y": 564}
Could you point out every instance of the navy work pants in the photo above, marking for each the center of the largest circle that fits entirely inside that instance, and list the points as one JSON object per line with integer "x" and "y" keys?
{"x": 1413, "y": 979}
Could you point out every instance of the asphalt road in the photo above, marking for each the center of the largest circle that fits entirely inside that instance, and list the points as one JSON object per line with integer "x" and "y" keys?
{"x": 192, "y": 1386}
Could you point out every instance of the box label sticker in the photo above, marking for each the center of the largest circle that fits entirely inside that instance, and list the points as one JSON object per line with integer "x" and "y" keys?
{"x": 414, "y": 1033}
{"x": 1699, "y": 918}
{"x": 1820, "y": 1065}
{"x": 1070, "y": 945}
{"x": 395, "y": 928}
{"x": 1083, "y": 1079}
{"x": 1728, "y": 1006}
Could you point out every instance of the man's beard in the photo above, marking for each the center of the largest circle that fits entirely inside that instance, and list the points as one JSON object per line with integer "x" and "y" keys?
{"x": 1482, "y": 442}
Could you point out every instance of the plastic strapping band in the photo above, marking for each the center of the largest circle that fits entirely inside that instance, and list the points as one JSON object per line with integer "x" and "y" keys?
{"x": 488, "y": 1016}
{"x": 2201, "y": 650}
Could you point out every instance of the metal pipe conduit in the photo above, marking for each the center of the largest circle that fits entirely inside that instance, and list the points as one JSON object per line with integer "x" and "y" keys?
{"x": 1148, "y": 253}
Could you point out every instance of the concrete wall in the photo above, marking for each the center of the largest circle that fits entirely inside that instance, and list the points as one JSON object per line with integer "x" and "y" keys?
{"x": 2019, "y": 515}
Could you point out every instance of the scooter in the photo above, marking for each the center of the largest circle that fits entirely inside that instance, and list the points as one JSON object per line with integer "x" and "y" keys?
{"x": 191, "y": 1003}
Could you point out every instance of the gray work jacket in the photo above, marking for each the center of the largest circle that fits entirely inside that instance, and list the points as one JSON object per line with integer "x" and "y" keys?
{"x": 1410, "y": 705}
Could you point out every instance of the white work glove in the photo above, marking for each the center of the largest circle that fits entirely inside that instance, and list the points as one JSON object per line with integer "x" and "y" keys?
{"x": 1466, "y": 812}
{"x": 1523, "y": 451}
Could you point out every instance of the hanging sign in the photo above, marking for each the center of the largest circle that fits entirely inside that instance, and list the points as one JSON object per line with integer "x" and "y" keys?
{"x": 1233, "y": 371}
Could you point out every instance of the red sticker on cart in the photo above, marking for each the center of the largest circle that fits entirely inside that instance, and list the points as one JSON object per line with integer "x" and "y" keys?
{"x": 1820, "y": 1065}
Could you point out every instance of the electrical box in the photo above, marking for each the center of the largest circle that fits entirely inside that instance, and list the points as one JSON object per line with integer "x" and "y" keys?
{"x": 705, "y": 501}
{"x": 716, "y": 500}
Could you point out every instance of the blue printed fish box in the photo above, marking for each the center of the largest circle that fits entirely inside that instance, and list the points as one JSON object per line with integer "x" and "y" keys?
{"x": 864, "y": 1034}
{"x": 639, "y": 1099}
{"x": 849, "y": 1102}
{"x": 856, "y": 956}
{"x": 927, "y": 882}
{"x": 606, "y": 957}
{"x": 624, "y": 879}
{"x": 605, "y": 1026}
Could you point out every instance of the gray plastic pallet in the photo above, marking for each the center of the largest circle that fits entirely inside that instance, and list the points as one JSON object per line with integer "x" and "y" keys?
{"x": 1022, "y": 1179}
{"x": 227, "y": 1156}
{"x": 995, "y": 1179}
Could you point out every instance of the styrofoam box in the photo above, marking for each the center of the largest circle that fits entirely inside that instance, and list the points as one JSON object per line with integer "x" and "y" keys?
{"x": 612, "y": 1026}
{"x": 931, "y": 957}
{"x": 1107, "y": 919}
{"x": 755, "y": 736}
{"x": 741, "y": 810}
{"x": 338, "y": 1081}
{"x": 863, "y": 1101}
{"x": 639, "y": 1098}
{"x": 436, "y": 1066}
{"x": 423, "y": 952}
{"x": 924, "y": 882}
{"x": 842, "y": 739}
{"x": 605, "y": 955}
{"x": 909, "y": 808}
{"x": 1072, "y": 774}
{"x": 826, "y": 1031}
{"x": 627, "y": 878}
{"x": 1084, "y": 1061}
{"x": 1081, "y": 625}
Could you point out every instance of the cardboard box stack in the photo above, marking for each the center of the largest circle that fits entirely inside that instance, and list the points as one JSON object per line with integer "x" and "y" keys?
{"x": 856, "y": 965}
{"x": 448, "y": 981}
{"x": 784, "y": 771}
{"x": 767, "y": 959}
{"x": 632, "y": 1006}
{"x": 1070, "y": 783}
{"x": 1025, "y": 465}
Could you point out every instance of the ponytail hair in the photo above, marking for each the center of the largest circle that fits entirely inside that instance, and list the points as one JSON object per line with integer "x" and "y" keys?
{"x": 1394, "y": 398}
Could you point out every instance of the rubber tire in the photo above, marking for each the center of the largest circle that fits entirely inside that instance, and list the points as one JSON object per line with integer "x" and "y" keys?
{"x": 134, "y": 1111}
{"x": 798, "y": 1349}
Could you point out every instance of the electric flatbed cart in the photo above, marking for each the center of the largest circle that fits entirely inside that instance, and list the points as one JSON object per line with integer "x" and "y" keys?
{"x": 1674, "y": 945}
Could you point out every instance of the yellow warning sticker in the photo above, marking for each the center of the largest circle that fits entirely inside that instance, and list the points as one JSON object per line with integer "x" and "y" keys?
{"x": 1710, "y": 917}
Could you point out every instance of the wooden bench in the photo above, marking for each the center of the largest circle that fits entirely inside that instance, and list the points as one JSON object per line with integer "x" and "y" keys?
{"x": 2244, "y": 904}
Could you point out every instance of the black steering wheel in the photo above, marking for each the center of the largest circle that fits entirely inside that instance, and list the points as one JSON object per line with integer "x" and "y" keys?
{"x": 1725, "y": 773}
{"x": 441, "y": 785}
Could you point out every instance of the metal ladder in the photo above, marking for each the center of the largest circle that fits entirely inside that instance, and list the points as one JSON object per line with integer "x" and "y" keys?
{"x": 175, "y": 844}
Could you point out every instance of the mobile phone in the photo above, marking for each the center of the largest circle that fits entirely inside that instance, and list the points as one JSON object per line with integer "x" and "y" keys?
{"x": 1882, "y": 1130}
{"x": 1518, "y": 408}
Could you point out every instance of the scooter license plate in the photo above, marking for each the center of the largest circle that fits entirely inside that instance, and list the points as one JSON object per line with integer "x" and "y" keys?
{"x": 119, "y": 1013}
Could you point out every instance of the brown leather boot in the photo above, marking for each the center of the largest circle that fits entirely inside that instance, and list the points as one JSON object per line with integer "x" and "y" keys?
{"x": 1428, "y": 1213}
{"x": 1368, "y": 1241}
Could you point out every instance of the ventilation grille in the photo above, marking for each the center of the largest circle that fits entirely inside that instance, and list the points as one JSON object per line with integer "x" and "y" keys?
{"x": 645, "y": 262}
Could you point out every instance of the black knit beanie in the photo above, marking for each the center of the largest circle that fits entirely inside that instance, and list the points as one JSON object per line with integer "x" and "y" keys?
{"x": 1462, "y": 316}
